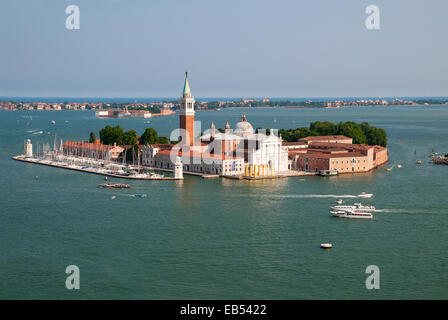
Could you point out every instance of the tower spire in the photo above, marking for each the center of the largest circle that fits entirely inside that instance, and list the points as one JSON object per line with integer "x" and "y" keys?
{"x": 186, "y": 116}
{"x": 187, "y": 90}
{"x": 212, "y": 130}
{"x": 227, "y": 128}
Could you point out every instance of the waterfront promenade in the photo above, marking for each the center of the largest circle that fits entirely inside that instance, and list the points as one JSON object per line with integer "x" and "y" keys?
{"x": 88, "y": 169}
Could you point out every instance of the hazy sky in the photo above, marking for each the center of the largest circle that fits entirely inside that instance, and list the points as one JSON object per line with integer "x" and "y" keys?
{"x": 231, "y": 48}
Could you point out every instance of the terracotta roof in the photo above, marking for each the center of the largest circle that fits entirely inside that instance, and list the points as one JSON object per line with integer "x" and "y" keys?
{"x": 294, "y": 143}
{"x": 334, "y": 155}
{"x": 311, "y": 138}
{"x": 87, "y": 145}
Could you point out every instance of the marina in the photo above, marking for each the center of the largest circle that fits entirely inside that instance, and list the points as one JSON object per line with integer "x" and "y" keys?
{"x": 91, "y": 169}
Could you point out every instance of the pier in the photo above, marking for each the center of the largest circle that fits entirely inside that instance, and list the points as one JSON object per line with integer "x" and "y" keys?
{"x": 62, "y": 165}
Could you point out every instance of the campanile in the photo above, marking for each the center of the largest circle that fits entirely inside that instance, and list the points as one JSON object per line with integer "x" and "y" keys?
{"x": 186, "y": 117}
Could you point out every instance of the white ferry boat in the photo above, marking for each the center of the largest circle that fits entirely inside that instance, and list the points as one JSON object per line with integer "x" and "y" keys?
{"x": 355, "y": 207}
{"x": 352, "y": 214}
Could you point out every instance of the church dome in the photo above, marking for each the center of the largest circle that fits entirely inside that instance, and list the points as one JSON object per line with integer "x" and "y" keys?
{"x": 244, "y": 128}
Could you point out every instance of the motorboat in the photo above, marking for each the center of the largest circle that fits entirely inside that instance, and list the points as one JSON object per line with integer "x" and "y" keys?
{"x": 339, "y": 201}
{"x": 327, "y": 173}
{"x": 155, "y": 175}
{"x": 326, "y": 245}
{"x": 114, "y": 185}
{"x": 399, "y": 166}
{"x": 356, "y": 207}
{"x": 365, "y": 195}
{"x": 351, "y": 214}
{"x": 419, "y": 162}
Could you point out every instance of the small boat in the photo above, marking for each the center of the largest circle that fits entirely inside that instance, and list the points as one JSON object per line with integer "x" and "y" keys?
{"x": 327, "y": 173}
{"x": 356, "y": 207}
{"x": 326, "y": 245}
{"x": 53, "y": 122}
{"x": 114, "y": 185}
{"x": 419, "y": 162}
{"x": 339, "y": 201}
{"x": 352, "y": 214}
{"x": 365, "y": 195}
{"x": 140, "y": 195}
{"x": 388, "y": 169}
{"x": 399, "y": 166}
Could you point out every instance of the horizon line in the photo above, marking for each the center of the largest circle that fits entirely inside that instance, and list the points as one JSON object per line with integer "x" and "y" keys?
{"x": 222, "y": 97}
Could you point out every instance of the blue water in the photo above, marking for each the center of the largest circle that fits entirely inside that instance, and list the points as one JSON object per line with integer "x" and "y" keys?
{"x": 225, "y": 239}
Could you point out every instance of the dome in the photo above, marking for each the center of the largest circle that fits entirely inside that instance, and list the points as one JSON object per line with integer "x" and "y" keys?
{"x": 244, "y": 128}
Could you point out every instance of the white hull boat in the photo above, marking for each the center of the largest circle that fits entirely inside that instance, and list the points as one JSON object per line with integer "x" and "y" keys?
{"x": 351, "y": 214}
{"x": 355, "y": 207}
{"x": 365, "y": 195}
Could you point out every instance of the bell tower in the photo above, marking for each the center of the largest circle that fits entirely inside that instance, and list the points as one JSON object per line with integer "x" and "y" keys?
{"x": 186, "y": 117}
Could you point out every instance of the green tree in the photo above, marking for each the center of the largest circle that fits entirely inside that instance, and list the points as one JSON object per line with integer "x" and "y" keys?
{"x": 292, "y": 135}
{"x": 110, "y": 135}
{"x": 325, "y": 128}
{"x": 150, "y": 136}
{"x": 352, "y": 130}
{"x": 129, "y": 138}
{"x": 92, "y": 138}
{"x": 360, "y": 133}
{"x": 164, "y": 140}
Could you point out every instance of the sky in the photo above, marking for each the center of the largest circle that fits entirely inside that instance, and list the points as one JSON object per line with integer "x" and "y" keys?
{"x": 231, "y": 48}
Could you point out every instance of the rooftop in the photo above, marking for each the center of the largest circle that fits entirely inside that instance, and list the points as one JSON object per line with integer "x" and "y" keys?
{"x": 335, "y": 137}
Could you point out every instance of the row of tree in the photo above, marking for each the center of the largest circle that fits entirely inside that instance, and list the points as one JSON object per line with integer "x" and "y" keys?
{"x": 110, "y": 135}
{"x": 360, "y": 133}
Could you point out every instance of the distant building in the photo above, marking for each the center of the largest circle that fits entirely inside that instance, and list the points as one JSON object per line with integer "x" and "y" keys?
{"x": 342, "y": 157}
{"x": 140, "y": 114}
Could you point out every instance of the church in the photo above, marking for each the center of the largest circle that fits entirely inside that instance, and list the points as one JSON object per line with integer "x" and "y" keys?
{"x": 241, "y": 152}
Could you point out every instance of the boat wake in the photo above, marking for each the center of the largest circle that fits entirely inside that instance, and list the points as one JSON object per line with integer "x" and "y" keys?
{"x": 315, "y": 196}
{"x": 412, "y": 211}
{"x": 138, "y": 195}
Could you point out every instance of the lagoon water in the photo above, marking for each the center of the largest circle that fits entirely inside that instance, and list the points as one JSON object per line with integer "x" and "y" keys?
{"x": 220, "y": 238}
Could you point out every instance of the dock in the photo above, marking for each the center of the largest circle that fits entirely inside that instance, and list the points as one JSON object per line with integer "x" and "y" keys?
{"x": 63, "y": 165}
{"x": 86, "y": 170}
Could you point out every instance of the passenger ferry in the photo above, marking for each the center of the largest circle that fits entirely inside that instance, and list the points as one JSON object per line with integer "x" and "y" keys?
{"x": 355, "y": 206}
{"x": 352, "y": 214}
